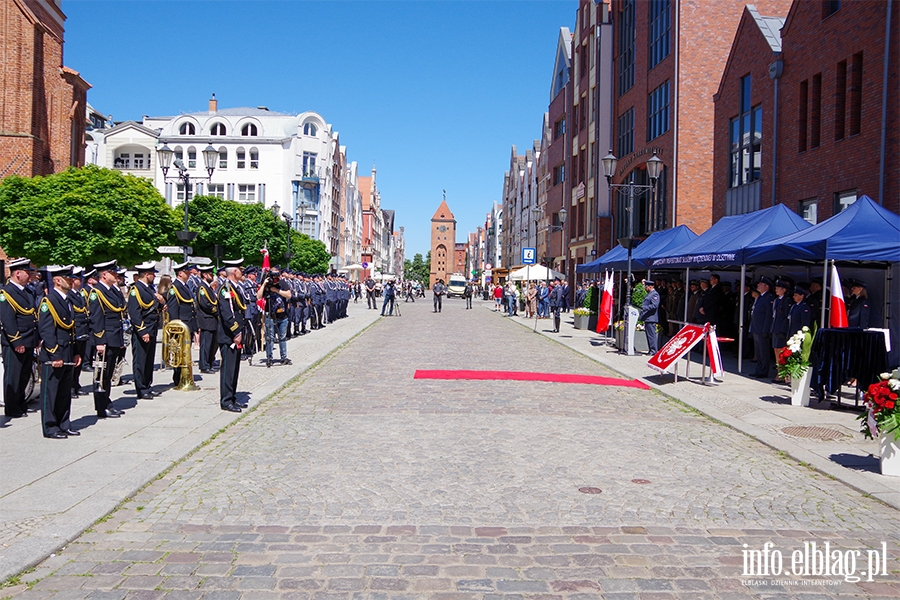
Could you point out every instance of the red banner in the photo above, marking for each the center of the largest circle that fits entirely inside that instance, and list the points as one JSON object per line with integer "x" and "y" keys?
{"x": 675, "y": 348}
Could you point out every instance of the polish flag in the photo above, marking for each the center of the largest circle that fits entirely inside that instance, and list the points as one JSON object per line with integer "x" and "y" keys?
{"x": 265, "y": 253}
{"x": 715, "y": 355}
{"x": 838, "y": 308}
{"x": 606, "y": 303}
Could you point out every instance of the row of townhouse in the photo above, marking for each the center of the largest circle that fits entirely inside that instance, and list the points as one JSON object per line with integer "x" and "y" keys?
{"x": 747, "y": 105}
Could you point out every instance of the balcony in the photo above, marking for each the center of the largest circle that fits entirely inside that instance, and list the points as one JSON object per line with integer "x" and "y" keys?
{"x": 309, "y": 179}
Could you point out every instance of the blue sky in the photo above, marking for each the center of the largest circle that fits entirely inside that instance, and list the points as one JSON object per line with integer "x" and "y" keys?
{"x": 433, "y": 93}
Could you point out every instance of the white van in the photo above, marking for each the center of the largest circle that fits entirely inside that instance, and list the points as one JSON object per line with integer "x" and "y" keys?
{"x": 456, "y": 286}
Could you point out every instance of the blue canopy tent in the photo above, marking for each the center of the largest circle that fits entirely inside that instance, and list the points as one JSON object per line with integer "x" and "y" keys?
{"x": 658, "y": 244}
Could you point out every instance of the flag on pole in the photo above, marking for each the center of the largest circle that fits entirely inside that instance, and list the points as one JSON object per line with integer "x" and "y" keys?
{"x": 838, "y": 308}
{"x": 606, "y": 302}
{"x": 265, "y": 253}
{"x": 715, "y": 355}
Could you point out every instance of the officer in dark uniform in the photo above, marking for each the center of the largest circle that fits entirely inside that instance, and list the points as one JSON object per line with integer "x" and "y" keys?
{"x": 650, "y": 315}
{"x": 19, "y": 336}
{"x": 711, "y": 301}
{"x": 815, "y": 299}
{"x": 180, "y": 305}
{"x": 56, "y": 325}
{"x": 78, "y": 296}
{"x": 318, "y": 301}
{"x": 800, "y": 315}
{"x": 858, "y": 311}
{"x": 194, "y": 279}
{"x": 232, "y": 319}
{"x": 303, "y": 301}
{"x": 761, "y": 327}
{"x": 556, "y": 303}
{"x": 370, "y": 292}
{"x": 143, "y": 311}
{"x": 207, "y": 320}
{"x": 781, "y": 310}
{"x": 106, "y": 307}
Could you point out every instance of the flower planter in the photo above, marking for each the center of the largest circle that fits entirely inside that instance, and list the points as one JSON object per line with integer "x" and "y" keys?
{"x": 592, "y": 322}
{"x": 890, "y": 454}
{"x": 620, "y": 339}
{"x": 800, "y": 389}
{"x": 582, "y": 321}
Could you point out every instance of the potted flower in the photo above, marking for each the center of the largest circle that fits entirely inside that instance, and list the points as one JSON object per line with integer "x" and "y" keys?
{"x": 793, "y": 363}
{"x": 882, "y": 420}
{"x": 582, "y": 317}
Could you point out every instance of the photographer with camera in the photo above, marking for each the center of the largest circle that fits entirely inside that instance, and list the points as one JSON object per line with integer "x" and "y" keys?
{"x": 277, "y": 294}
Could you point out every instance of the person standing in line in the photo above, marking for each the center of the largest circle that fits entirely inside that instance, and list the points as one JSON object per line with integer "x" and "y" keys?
{"x": 143, "y": 311}
{"x": 858, "y": 311}
{"x": 232, "y": 320}
{"x": 438, "y": 290}
{"x": 18, "y": 316}
{"x": 370, "y": 292}
{"x": 78, "y": 296}
{"x": 781, "y": 310}
{"x": 107, "y": 310}
{"x": 180, "y": 306}
{"x": 56, "y": 325}
{"x": 761, "y": 327}
{"x": 207, "y": 320}
{"x": 556, "y": 303}
{"x": 650, "y": 315}
{"x": 800, "y": 315}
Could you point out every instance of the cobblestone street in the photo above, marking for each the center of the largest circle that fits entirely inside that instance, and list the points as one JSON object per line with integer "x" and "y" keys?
{"x": 358, "y": 481}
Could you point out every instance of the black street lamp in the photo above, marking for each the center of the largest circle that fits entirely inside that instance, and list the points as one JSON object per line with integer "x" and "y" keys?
{"x": 289, "y": 221}
{"x": 165, "y": 154}
{"x": 654, "y": 167}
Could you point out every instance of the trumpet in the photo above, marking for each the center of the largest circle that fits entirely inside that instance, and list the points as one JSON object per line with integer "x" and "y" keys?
{"x": 99, "y": 370}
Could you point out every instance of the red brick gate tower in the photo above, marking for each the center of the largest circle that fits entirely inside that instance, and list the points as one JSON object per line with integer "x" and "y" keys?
{"x": 443, "y": 243}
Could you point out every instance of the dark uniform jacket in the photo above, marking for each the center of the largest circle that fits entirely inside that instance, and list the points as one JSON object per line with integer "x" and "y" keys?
{"x": 781, "y": 310}
{"x": 232, "y": 312}
{"x": 650, "y": 308}
{"x": 761, "y": 314}
{"x": 799, "y": 317}
{"x": 18, "y": 316}
{"x": 106, "y": 307}
{"x": 79, "y": 302}
{"x": 56, "y": 323}
{"x": 143, "y": 310}
{"x": 180, "y": 304}
{"x": 207, "y": 308}
{"x": 858, "y": 312}
{"x": 710, "y": 301}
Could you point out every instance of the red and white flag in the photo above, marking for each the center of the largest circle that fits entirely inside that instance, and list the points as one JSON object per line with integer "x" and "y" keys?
{"x": 606, "y": 304}
{"x": 265, "y": 253}
{"x": 715, "y": 355}
{"x": 838, "y": 308}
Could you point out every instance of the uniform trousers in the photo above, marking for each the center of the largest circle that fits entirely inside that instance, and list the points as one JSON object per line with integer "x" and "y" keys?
{"x": 370, "y": 298}
{"x": 17, "y": 368}
{"x": 228, "y": 374}
{"x": 437, "y": 302}
{"x": 143, "y": 356}
{"x": 762, "y": 352}
{"x": 208, "y": 349}
{"x": 101, "y": 398}
{"x": 468, "y": 301}
{"x": 652, "y": 339}
{"x": 56, "y": 398}
{"x": 80, "y": 350}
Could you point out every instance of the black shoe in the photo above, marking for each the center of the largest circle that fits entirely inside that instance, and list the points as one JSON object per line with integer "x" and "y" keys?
{"x": 241, "y": 404}
{"x": 231, "y": 407}
{"x": 108, "y": 413}
{"x": 18, "y": 415}
{"x": 286, "y": 361}
{"x": 207, "y": 371}
{"x": 57, "y": 435}
{"x": 72, "y": 432}
{"x": 268, "y": 363}
{"x": 153, "y": 394}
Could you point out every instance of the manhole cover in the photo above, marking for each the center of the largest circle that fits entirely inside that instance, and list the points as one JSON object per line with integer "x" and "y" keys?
{"x": 590, "y": 490}
{"x": 642, "y": 481}
{"x": 814, "y": 433}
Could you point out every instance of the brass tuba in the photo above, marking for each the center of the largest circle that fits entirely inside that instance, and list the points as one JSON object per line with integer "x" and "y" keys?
{"x": 176, "y": 351}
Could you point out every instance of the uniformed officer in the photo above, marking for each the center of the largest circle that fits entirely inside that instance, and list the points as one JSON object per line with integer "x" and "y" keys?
{"x": 56, "y": 324}
{"x": 800, "y": 315}
{"x": 78, "y": 296}
{"x": 761, "y": 327}
{"x": 303, "y": 301}
{"x": 19, "y": 338}
{"x": 781, "y": 310}
{"x": 249, "y": 287}
{"x": 207, "y": 319}
{"x": 180, "y": 305}
{"x": 106, "y": 307}
{"x": 232, "y": 311}
{"x": 90, "y": 278}
{"x": 556, "y": 303}
{"x": 318, "y": 301}
{"x": 650, "y": 315}
{"x": 858, "y": 311}
{"x": 143, "y": 310}
{"x": 194, "y": 279}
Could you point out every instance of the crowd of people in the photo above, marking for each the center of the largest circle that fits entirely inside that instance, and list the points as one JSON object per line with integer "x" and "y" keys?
{"x": 71, "y": 319}
{"x": 542, "y": 299}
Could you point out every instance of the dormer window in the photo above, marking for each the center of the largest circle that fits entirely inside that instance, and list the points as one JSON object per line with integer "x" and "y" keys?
{"x": 310, "y": 129}
{"x": 187, "y": 129}
{"x": 249, "y": 130}
{"x": 217, "y": 129}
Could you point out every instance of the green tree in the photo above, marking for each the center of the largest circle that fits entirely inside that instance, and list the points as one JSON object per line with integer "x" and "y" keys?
{"x": 84, "y": 216}
{"x": 416, "y": 269}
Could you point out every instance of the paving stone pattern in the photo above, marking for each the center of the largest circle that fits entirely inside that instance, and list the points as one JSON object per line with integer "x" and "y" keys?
{"x": 359, "y": 481}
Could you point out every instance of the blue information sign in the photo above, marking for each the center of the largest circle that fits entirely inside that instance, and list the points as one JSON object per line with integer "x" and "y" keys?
{"x": 529, "y": 256}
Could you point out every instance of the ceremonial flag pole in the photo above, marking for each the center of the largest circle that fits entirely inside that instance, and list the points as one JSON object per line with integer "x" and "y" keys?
{"x": 838, "y": 308}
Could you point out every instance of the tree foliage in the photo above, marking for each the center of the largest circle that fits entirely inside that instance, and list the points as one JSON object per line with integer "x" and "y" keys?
{"x": 243, "y": 229}
{"x": 417, "y": 269}
{"x": 84, "y": 216}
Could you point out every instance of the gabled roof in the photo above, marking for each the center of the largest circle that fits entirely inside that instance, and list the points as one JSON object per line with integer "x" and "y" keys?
{"x": 131, "y": 125}
{"x": 562, "y": 64}
{"x": 770, "y": 27}
{"x": 443, "y": 213}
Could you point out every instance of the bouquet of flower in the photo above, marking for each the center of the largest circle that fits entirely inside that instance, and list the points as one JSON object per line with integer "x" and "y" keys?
{"x": 582, "y": 312}
{"x": 883, "y": 408}
{"x": 793, "y": 360}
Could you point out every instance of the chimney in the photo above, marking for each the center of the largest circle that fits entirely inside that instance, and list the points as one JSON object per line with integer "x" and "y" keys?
{"x": 213, "y": 104}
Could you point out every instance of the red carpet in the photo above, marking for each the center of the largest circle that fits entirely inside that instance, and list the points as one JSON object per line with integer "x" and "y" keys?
{"x": 525, "y": 376}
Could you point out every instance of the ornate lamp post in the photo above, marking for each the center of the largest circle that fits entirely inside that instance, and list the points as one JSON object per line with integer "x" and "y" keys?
{"x": 165, "y": 154}
{"x": 288, "y": 221}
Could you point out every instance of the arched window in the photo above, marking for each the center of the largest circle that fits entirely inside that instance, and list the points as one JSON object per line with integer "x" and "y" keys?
{"x": 179, "y": 153}
{"x": 254, "y": 158}
{"x": 192, "y": 158}
{"x": 187, "y": 129}
{"x": 217, "y": 129}
{"x": 223, "y": 158}
{"x": 249, "y": 130}
{"x": 310, "y": 129}
{"x": 241, "y": 158}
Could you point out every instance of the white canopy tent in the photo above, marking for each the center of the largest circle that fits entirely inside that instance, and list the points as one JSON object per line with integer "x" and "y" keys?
{"x": 535, "y": 272}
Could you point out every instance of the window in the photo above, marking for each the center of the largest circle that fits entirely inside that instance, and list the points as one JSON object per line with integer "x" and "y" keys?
{"x": 240, "y": 157}
{"x": 650, "y": 209}
{"x": 179, "y": 153}
{"x": 559, "y": 174}
{"x": 180, "y": 192}
{"x": 584, "y": 108}
{"x": 139, "y": 161}
{"x": 123, "y": 161}
{"x": 625, "y": 133}
{"x": 223, "y": 158}
{"x": 855, "y": 95}
{"x": 803, "y": 115}
{"x": 815, "y": 111}
{"x": 746, "y": 139}
{"x": 186, "y": 129}
{"x": 217, "y": 129}
{"x": 658, "y": 112}
{"x": 249, "y": 130}
{"x": 843, "y": 200}
{"x": 560, "y": 129}
{"x": 192, "y": 158}
{"x": 309, "y": 164}
{"x": 829, "y": 7}
{"x": 216, "y": 189}
{"x": 626, "y": 46}
{"x": 659, "y": 31}
{"x": 310, "y": 129}
{"x": 254, "y": 158}
{"x": 809, "y": 210}
{"x": 246, "y": 192}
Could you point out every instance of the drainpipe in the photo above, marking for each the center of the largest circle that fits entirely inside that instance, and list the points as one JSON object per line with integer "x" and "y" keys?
{"x": 675, "y": 117}
{"x": 884, "y": 105}
{"x": 775, "y": 71}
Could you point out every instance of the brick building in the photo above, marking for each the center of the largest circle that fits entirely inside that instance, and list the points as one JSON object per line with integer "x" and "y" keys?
{"x": 810, "y": 125}
{"x": 42, "y": 120}
{"x": 443, "y": 244}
